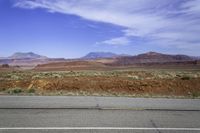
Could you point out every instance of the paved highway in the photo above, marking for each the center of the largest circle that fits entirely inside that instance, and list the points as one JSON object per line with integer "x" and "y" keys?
{"x": 72, "y": 102}
{"x": 98, "y": 114}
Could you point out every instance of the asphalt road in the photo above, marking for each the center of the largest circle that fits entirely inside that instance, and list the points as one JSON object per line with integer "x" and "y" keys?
{"x": 73, "y": 102}
{"x": 98, "y": 115}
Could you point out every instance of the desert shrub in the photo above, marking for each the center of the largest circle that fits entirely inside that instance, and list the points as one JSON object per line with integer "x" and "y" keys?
{"x": 178, "y": 75}
{"x": 36, "y": 77}
{"x": 16, "y": 77}
{"x": 195, "y": 94}
{"x": 32, "y": 90}
{"x": 56, "y": 75}
{"x": 185, "y": 78}
{"x": 15, "y": 91}
{"x": 5, "y": 66}
{"x": 2, "y": 89}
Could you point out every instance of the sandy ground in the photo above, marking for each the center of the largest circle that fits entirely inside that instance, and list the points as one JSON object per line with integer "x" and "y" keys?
{"x": 130, "y": 82}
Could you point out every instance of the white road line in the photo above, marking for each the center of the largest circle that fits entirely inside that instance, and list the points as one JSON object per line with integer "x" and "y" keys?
{"x": 98, "y": 128}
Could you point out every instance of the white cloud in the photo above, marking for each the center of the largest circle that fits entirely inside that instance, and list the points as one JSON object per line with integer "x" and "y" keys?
{"x": 192, "y": 6}
{"x": 168, "y": 22}
{"x": 120, "y": 41}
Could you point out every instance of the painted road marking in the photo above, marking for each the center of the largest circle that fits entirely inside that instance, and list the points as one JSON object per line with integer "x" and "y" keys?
{"x": 98, "y": 128}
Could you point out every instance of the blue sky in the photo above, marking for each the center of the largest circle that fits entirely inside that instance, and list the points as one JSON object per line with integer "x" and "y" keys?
{"x": 72, "y": 28}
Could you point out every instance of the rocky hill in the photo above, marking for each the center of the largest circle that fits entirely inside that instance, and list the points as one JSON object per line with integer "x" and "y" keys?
{"x": 151, "y": 57}
{"x": 29, "y": 55}
{"x": 28, "y": 59}
{"x": 99, "y": 55}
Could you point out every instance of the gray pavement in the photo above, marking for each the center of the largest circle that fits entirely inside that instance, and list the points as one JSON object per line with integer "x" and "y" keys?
{"x": 98, "y": 115}
{"x": 74, "y": 102}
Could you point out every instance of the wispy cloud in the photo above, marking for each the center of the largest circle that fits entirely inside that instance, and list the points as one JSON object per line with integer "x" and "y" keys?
{"x": 120, "y": 41}
{"x": 192, "y": 6}
{"x": 164, "y": 22}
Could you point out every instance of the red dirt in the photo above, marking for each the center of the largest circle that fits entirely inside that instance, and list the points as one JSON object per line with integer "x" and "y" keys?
{"x": 110, "y": 85}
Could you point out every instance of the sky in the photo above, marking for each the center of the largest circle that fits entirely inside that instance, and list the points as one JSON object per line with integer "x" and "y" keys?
{"x": 73, "y": 28}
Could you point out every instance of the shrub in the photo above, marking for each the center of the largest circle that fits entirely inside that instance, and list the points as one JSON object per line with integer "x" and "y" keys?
{"x": 2, "y": 89}
{"x": 31, "y": 90}
{"x": 5, "y": 66}
{"x": 15, "y": 91}
{"x": 195, "y": 94}
{"x": 185, "y": 78}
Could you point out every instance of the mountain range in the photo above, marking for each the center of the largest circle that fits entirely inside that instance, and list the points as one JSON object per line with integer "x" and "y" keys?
{"x": 152, "y": 57}
{"x": 29, "y": 55}
{"x": 97, "y": 55}
{"x": 107, "y": 58}
{"x": 27, "y": 59}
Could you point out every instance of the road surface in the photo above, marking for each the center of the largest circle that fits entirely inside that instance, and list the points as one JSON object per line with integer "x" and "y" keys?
{"x": 98, "y": 115}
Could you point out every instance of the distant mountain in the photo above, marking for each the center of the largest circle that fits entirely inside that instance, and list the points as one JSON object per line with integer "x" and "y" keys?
{"x": 195, "y": 57}
{"x": 154, "y": 56}
{"x": 29, "y": 55}
{"x": 98, "y": 55}
{"x": 151, "y": 57}
{"x": 28, "y": 59}
{"x": 105, "y": 58}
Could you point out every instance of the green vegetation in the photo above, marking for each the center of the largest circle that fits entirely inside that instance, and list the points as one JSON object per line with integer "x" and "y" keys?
{"x": 185, "y": 78}
{"x": 32, "y": 90}
{"x": 5, "y": 66}
{"x": 15, "y": 91}
{"x": 129, "y": 82}
{"x": 132, "y": 74}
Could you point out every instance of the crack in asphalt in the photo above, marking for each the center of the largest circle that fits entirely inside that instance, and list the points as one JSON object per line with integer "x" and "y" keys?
{"x": 155, "y": 126}
{"x": 97, "y": 104}
{"x": 97, "y": 107}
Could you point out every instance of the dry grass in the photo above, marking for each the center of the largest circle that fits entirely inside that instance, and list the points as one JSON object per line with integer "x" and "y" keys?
{"x": 132, "y": 82}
